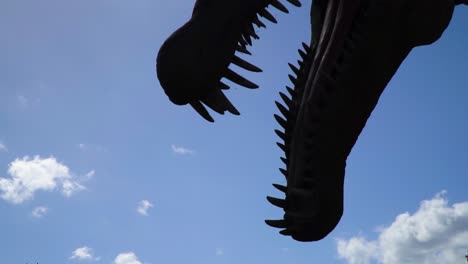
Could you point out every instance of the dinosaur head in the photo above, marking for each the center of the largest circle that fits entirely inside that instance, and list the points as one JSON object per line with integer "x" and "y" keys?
{"x": 356, "y": 47}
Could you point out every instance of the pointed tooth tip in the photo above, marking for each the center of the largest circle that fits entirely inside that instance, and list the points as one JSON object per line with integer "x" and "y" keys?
{"x": 277, "y": 202}
{"x": 276, "y": 223}
{"x": 280, "y": 187}
{"x": 295, "y": 3}
{"x": 244, "y": 64}
{"x": 267, "y": 15}
{"x": 279, "y": 6}
{"x": 201, "y": 110}
{"x": 283, "y": 171}
{"x": 236, "y": 78}
{"x": 285, "y": 232}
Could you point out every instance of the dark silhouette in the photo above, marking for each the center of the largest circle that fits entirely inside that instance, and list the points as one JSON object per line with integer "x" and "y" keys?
{"x": 355, "y": 49}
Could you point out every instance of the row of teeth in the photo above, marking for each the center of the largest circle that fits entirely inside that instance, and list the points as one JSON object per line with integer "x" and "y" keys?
{"x": 289, "y": 110}
{"x": 216, "y": 99}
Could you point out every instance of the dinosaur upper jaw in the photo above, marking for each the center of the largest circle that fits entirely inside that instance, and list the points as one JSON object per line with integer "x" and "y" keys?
{"x": 194, "y": 59}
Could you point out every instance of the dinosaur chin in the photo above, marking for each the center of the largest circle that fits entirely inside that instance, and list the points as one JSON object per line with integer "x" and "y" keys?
{"x": 355, "y": 49}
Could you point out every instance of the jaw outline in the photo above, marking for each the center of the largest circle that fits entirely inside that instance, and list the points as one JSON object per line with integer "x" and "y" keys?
{"x": 191, "y": 74}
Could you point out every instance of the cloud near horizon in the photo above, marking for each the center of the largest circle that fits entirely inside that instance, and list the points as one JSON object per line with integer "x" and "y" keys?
{"x": 27, "y": 176}
{"x": 435, "y": 233}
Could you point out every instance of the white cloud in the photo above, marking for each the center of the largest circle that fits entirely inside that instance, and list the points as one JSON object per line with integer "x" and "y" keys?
{"x": 84, "y": 253}
{"x": 3, "y": 147}
{"x": 144, "y": 206}
{"x": 39, "y": 211}
{"x": 357, "y": 250}
{"x": 435, "y": 233}
{"x": 126, "y": 258}
{"x": 38, "y": 174}
{"x": 181, "y": 150}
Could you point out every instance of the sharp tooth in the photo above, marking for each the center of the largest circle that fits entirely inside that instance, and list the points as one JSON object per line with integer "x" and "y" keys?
{"x": 251, "y": 31}
{"x": 300, "y": 63}
{"x": 282, "y": 109}
{"x": 293, "y": 80}
{"x": 294, "y": 69}
{"x": 280, "y": 187}
{"x": 259, "y": 23}
{"x": 244, "y": 64}
{"x": 284, "y": 172}
{"x": 247, "y": 38}
{"x": 291, "y": 91}
{"x": 282, "y": 147}
{"x": 277, "y": 202}
{"x": 223, "y": 86}
{"x": 284, "y": 160}
{"x": 302, "y": 53}
{"x": 279, "y": 6}
{"x": 227, "y": 104}
{"x": 281, "y": 121}
{"x": 243, "y": 42}
{"x": 264, "y": 13}
{"x": 229, "y": 74}
{"x": 295, "y": 2}
{"x": 277, "y": 223}
{"x": 286, "y": 100}
{"x": 285, "y": 232}
{"x": 306, "y": 47}
{"x": 280, "y": 134}
{"x": 214, "y": 102}
{"x": 243, "y": 49}
{"x": 201, "y": 110}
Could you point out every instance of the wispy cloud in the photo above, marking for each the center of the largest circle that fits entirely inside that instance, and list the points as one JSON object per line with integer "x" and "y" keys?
{"x": 90, "y": 174}
{"x": 3, "y": 147}
{"x": 126, "y": 258}
{"x": 435, "y": 233}
{"x": 39, "y": 211}
{"x": 181, "y": 150}
{"x": 27, "y": 176}
{"x": 143, "y": 207}
{"x": 83, "y": 253}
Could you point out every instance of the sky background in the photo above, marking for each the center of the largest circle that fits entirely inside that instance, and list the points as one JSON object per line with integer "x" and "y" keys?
{"x": 97, "y": 166}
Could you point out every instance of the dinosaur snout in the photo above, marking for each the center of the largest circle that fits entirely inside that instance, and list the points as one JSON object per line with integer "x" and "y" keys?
{"x": 180, "y": 67}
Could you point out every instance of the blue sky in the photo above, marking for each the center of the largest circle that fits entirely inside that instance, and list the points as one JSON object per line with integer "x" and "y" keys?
{"x": 97, "y": 166}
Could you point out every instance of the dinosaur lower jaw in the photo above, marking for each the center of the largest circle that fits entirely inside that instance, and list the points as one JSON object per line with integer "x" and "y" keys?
{"x": 337, "y": 88}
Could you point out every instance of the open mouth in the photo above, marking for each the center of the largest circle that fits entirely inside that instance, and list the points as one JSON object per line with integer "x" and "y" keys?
{"x": 355, "y": 49}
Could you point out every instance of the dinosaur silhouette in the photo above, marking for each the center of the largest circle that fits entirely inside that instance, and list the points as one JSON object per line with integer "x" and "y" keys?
{"x": 355, "y": 49}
